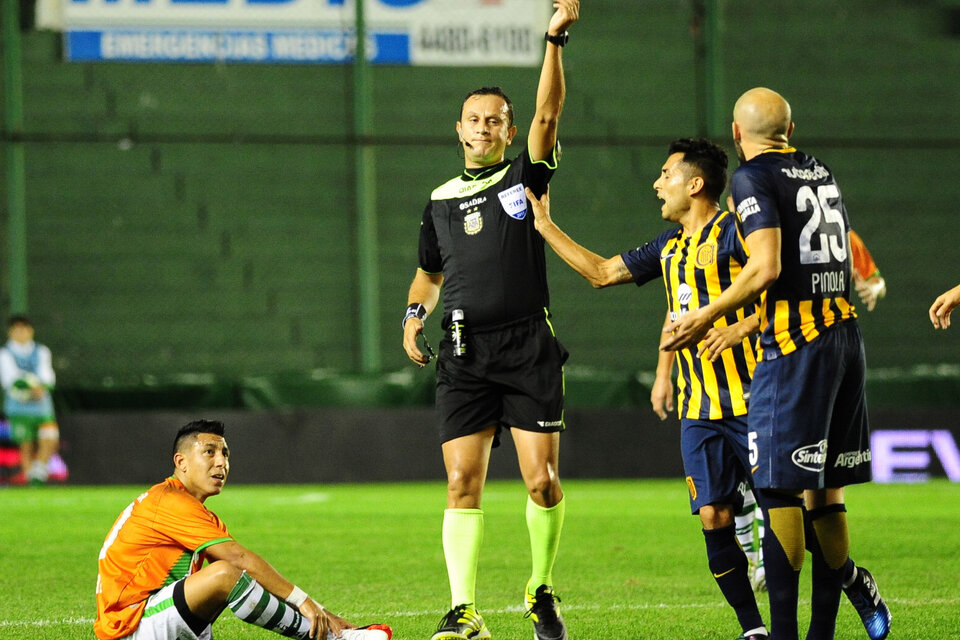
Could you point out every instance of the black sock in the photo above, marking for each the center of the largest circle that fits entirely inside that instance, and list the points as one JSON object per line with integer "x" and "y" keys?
{"x": 848, "y": 573}
{"x": 826, "y": 582}
{"x": 783, "y": 553}
{"x": 729, "y": 567}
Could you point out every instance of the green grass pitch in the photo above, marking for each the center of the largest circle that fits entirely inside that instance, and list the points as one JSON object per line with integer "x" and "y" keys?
{"x": 631, "y": 563}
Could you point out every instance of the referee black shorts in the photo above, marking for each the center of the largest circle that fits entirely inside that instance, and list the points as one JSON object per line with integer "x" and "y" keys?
{"x": 511, "y": 376}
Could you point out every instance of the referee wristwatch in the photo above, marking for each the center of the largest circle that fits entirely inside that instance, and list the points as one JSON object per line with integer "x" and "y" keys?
{"x": 559, "y": 39}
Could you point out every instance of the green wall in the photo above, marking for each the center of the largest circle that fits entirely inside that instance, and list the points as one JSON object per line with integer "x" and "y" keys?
{"x": 200, "y": 218}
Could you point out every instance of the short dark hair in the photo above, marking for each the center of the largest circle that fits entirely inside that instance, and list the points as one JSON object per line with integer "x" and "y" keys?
{"x": 489, "y": 91}
{"x": 18, "y": 318}
{"x": 708, "y": 159}
{"x": 191, "y": 429}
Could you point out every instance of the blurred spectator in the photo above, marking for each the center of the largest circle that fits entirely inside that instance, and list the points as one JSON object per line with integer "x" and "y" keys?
{"x": 27, "y": 377}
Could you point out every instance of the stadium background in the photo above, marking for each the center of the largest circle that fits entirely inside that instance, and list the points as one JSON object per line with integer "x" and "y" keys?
{"x": 193, "y": 235}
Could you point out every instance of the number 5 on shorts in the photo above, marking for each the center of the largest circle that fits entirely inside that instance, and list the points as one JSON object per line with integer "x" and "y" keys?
{"x": 752, "y": 447}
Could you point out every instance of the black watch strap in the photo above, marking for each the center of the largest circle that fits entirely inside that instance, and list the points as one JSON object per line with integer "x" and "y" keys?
{"x": 559, "y": 39}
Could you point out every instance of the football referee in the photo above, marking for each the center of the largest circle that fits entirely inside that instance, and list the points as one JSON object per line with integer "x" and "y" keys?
{"x": 500, "y": 364}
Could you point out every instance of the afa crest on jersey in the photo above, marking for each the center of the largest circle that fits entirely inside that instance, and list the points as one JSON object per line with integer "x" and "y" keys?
{"x": 472, "y": 223}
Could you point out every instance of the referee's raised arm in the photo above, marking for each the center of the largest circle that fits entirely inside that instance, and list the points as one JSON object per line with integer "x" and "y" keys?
{"x": 551, "y": 90}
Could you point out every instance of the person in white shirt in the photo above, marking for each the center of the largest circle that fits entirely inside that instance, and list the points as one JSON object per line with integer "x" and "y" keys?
{"x": 27, "y": 377}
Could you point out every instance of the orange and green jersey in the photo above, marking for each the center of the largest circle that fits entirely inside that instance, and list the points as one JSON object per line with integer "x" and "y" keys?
{"x": 158, "y": 539}
{"x": 796, "y": 193}
{"x": 696, "y": 269}
{"x": 863, "y": 262}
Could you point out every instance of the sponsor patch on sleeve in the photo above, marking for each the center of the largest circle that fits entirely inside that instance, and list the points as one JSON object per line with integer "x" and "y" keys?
{"x": 748, "y": 207}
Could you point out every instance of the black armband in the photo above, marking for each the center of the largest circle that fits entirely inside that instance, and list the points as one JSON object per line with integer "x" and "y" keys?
{"x": 560, "y": 39}
{"x": 415, "y": 310}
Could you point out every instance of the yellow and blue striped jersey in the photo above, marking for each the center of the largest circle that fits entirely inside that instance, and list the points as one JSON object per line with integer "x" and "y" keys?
{"x": 795, "y": 192}
{"x": 696, "y": 269}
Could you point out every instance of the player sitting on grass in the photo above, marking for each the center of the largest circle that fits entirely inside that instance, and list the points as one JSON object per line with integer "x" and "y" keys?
{"x": 152, "y": 584}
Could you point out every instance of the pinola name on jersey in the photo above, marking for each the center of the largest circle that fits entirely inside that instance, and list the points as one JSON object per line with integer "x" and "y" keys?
{"x": 819, "y": 172}
{"x": 828, "y": 282}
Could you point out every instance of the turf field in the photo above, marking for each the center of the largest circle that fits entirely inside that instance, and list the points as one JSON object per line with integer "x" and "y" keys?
{"x": 631, "y": 563}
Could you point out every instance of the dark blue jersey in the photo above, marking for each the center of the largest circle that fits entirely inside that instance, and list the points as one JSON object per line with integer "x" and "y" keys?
{"x": 795, "y": 192}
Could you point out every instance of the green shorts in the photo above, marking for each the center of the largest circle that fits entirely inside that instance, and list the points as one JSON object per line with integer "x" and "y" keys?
{"x": 25, "y": 428}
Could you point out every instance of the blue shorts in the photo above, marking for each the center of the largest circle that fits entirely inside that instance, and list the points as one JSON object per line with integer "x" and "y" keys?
{"x": 808, "y": 415}
{"x": 715, "y": 461}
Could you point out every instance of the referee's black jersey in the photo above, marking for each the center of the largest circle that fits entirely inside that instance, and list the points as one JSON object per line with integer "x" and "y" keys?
{"x": 478, "y": 231}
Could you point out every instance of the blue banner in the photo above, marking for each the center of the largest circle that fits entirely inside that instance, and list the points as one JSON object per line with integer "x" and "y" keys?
{"x": 399, "y": 32}
{"x": 320, "y": 46}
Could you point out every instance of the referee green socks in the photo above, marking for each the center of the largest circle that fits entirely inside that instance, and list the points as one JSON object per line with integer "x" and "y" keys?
{"x": 462, "y": 535}
{"x": 544, "y": 525}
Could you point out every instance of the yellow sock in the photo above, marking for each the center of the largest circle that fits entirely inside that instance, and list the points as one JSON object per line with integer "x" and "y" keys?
{"x": 544, "y": 525}
{"x": 462, "y": 535}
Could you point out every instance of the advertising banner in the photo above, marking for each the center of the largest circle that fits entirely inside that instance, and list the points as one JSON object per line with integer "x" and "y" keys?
{"x": 914, "y": 455}
{"x": 400, "y": 32}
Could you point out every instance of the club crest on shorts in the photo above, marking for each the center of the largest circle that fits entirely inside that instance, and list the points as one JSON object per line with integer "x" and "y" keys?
{"x": 706, "y": 256}
{"x": 812, "y": 457}
{"x": 514, "y": 201}
{"x": 472, "y": 223}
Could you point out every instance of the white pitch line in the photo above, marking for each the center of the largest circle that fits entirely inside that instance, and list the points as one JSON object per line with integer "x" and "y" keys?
{"x": 44, "y": 623}
{"x": 660, "y": 605}
{"x": 15, "y": 624}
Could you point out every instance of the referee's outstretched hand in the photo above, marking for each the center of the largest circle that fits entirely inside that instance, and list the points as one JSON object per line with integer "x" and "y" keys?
{"x": 567, "y": 12}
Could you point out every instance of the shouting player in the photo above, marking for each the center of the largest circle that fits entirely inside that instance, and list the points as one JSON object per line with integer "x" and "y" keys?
{"x": 808, "y": 429}
{"x": 696, "y": 259}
